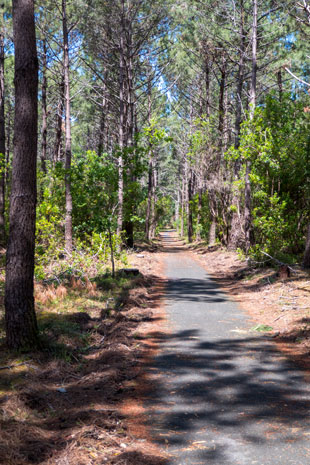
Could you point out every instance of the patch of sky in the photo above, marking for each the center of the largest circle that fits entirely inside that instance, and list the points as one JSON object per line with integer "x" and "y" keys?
{"x": 289, "y": 40}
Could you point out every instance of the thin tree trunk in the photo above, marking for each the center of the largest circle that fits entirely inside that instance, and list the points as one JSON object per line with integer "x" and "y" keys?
{"x": 153, "y": 205}
{"x": 221, "y": 111}
{"x": 207, "y": 84}
{"x": 121, "y": 125}
{"x": 44, "y": 109}
{"x": 235, "y": 236}
{"x": 177, "y": 210}
{"x": 190, "y": 230}
{"x": 68, "y": 153}
{"x": 212, "y": 233}
{"x": 306, "y": 260}
{"x": 58, "y": 151}
{"x": 130, "y": 120}
{"x": 280, "y": 84}
{"x": 8, "y": 146}
{"x": 102, "y": 131}
{"x": 20, "y": 318}
{"x": 150, "y": 174}
{"x": 182, "y": 204}
{"x": 150, "y": 199}
{"x": 199, "y": 213}
{"x": 2, "y": 143}
{"x": 252, "y": 103}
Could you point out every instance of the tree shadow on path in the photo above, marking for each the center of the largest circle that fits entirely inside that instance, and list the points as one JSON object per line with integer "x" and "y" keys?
{"x": 212, "y": 398}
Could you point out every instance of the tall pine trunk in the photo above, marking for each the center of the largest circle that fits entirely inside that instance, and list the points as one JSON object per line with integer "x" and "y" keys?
{"x": 2, "y": 143}
{"x": 190, "y": 228}
{"x": 58, "y": 150}
{"x": 122, "y": 122}
{"x": 20, "y": 318}
{"x": 235, "y": 235}
{"x": 44, "y": 108}
{"x": 247, "y": 194}
{"x": 68, "y": 153}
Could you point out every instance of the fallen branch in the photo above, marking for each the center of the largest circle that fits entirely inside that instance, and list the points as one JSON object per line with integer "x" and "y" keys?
{"x": 279, "y": 262}
{"x": 9, "y": 367}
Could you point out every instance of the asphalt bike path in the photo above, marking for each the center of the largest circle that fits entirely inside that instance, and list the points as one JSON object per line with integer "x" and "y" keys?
{"x": 222, "y": 393}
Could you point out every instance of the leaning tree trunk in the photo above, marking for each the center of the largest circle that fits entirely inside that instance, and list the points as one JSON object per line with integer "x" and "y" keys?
{"x": 2, "y": 142}
{"x": 20, "y": 318}
{"x": 68, "y": 152}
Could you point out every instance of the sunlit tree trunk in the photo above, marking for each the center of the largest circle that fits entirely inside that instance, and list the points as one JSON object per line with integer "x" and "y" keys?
{"x": 252, "y": 103}
{"x": 121, "y": 123}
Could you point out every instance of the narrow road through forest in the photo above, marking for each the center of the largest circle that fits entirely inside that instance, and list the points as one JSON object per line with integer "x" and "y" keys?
{"x": 222, "y": 394}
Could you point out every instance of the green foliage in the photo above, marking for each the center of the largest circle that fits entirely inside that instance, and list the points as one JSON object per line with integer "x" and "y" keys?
{"x": 94, "y": 193}
{"x": 271, "y": 227}
{"x": 276, "y": 142}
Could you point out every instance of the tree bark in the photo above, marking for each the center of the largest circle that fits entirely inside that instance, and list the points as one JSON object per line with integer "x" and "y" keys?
{"x": 121, "y": 123}
{"x": 280, "y": 84}
{"x": 153, "y": 204}
{"x": 222, "y": 109}
{"x": 183, "y": 203}
{"x": 150, "y": 199}
{"x": 199, "y": 212}
{"x": 190, "y": 230}
{"x": 58, "y": 151}
{"x": 20, "y": 318}
{"x": 247, "y": 195}
{"x": 68, "y": 152}
{"x": 44, "y": 109}
{"x": 207, "y": 85}
{"x": 8, "y": 146}
{"x": 306, "y": 260}
{"x": 2, "y": 143}
{"x": 212, "y": 233}
{"x": 235, "y": 239}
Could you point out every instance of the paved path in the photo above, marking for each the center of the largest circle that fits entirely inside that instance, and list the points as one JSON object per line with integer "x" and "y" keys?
{"x": 223, "y": 395}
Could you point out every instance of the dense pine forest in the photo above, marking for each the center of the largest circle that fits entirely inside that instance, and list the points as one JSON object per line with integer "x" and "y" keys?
{"x": 121, "y": 118}
{"x": 154, "y": 163}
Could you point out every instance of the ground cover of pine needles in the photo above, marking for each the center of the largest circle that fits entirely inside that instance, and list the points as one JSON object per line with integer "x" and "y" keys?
{"x": 63, "y": 404}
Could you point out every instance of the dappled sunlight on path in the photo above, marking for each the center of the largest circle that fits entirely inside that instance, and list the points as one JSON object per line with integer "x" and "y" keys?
{"x": 221, "y": 393}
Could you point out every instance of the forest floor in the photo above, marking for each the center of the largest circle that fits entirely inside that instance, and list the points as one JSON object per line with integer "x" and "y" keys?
{"x": 80, "y": 400}
{"x": 73, "y": 402}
